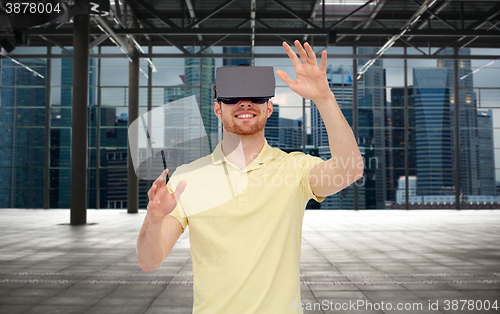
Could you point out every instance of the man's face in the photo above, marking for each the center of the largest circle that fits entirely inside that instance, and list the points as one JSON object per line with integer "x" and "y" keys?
{"x": 245, "y": 117}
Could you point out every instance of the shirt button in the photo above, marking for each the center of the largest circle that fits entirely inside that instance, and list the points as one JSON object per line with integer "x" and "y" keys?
{"x": 241, "y": 192}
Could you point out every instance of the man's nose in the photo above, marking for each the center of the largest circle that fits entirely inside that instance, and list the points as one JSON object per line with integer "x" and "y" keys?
{"x": 245, "y": 102}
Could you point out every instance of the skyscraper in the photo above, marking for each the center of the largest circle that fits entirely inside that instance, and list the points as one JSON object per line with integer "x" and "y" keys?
{"x": 22, "y": 134}
{"x": 236, "y": 61}
{"x": 485, "y": 152}
{"x": 373, "y": 90}
{"x": 340, "y": 81}
{"x": 197, "y": 70}
{"x": 272, "y": 129}
{"x": 469, "y": 162}
{"x": 290, "y": 134}
{"x": 205, "y": 68}
{"x": 61, "y": 138}
{"x": 433, "y": 131}
{"x": 398, "y": 136}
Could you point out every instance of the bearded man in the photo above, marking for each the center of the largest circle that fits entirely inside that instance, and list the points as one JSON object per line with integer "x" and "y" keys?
{"x": 244, "y": 203}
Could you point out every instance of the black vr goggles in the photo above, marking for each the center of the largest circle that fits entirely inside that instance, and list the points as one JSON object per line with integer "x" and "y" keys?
{"x": 238, "y": 82}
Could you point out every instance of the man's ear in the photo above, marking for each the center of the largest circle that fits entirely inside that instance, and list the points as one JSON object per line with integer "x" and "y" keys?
{"x": 270, "y": 108}
{"x": 218, "y": 109}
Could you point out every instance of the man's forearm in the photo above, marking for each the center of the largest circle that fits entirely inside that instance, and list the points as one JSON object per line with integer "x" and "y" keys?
{"x": 150, "y": 253}
{"x": 343, "y": 145}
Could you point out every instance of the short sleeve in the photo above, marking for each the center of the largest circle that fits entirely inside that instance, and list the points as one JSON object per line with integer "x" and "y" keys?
{"x": 176, "y": 213}
{"x": 306, "y": 166}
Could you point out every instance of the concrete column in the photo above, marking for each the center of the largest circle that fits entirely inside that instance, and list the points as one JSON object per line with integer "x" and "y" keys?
{"x": 79, "y": 120}
{"x": 133, "y": 113}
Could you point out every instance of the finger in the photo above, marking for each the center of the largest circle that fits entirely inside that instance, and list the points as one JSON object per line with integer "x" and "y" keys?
{"x": 164, "y": 174}
{"x": 162, "y": 179}
{"x": 322, "y": 67}
{"x": 285, "y": 77}
{"x": 161, "y": 193}
{"x": 291, "y": 54}
{"x": 152, "y": 204}
{"x": 180, "y": 188}
{"x": 310, "y": 52}
{"x": 302, "y": 52}
{"x": 152, "y": 192}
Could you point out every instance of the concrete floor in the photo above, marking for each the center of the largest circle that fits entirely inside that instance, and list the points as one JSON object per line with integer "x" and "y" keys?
{"x": 397, "y": 257}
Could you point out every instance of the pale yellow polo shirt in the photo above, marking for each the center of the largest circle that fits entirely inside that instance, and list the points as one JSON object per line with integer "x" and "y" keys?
{"x": 245, "y": 230}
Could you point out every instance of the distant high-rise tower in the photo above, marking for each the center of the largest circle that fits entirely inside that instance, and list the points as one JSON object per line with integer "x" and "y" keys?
{"x": 236, "y": 61}
{"x": 290, "y": 134}
{"x": 398, "y": 135}
{"x": 194, "y": 68}
{"x": 485, "y": 152}
{"x": 61, "y": 138}
{"x": 340, "y": 81}
{"x": 272, "y": 129}
{"x": 22, "y": 134}
{"x": 197, "y": 70}
{"x": 469, "y": 161}
{"x": 433, "y": 131}
{"x": 373, "y": 92}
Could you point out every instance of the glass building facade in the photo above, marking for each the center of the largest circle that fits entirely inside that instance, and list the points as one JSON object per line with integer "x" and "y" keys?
{"x": 22, "y": 135}
{"x": 397, "y": 135}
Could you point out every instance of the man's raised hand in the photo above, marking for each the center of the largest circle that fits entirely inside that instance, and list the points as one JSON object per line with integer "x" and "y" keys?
{"x": 311, "y": 80}
{"x": 161, "y": 201}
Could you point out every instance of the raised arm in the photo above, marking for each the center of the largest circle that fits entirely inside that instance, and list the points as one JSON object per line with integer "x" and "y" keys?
{"x": 346, "y": 165}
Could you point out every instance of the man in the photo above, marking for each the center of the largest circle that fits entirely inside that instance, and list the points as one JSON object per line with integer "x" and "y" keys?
{"x": 245, "y": 202}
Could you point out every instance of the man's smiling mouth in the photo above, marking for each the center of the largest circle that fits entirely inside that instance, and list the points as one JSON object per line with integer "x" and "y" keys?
{"x": 245, "y": 116}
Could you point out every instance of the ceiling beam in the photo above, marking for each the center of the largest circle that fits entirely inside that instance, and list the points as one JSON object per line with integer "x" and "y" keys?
{"x": 404, "y": 29}
{"x": 372, "y": 16}
{"x": 473, "y": 39}
{"x": 314, "y": 10}
{"x": 434, "y": 15}
{"x": 222, "y": 38}
{"x": 53, "y": 42}
{"x": 118, "y": 10}
{"x": 118, "y": 38}
{"x": 279, "y": 13}
{"x": 401, "y": 38}
{"x": 155, "y": 13}
{"x": 98, "y": 41}
{"x": 427, "y": 21}
{"x": 271, "y": 32}
{"x": 168, "y": 39}
{"x": 280, "y": 37}
{"x": 261, "y": 55}
{"x": 292, "y": 12}
{"x": 490, "y": 15}
{"x": 209, "y": 15}
{"x": 342, "y": 20}
{"x": 192, "y": 14}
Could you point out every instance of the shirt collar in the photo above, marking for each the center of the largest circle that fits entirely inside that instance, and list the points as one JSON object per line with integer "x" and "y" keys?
{"x": 267, "y": 153}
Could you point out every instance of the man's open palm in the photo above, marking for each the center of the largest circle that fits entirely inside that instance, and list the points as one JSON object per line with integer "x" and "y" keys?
{"x": 161, "y": 201}
{"x": 311, "y": 80}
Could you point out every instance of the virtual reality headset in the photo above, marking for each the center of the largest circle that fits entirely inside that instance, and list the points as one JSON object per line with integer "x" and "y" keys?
{"x": 244, "y": 82}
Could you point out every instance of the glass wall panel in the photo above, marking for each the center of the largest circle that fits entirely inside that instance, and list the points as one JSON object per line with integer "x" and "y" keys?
{"x": 60, "y": 128}
{"x": 22, "y": 133}
{"x": 430, "y": 121}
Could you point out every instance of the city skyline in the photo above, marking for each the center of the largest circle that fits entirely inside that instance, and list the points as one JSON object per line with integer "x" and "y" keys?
{"x": 373, "y": 85}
